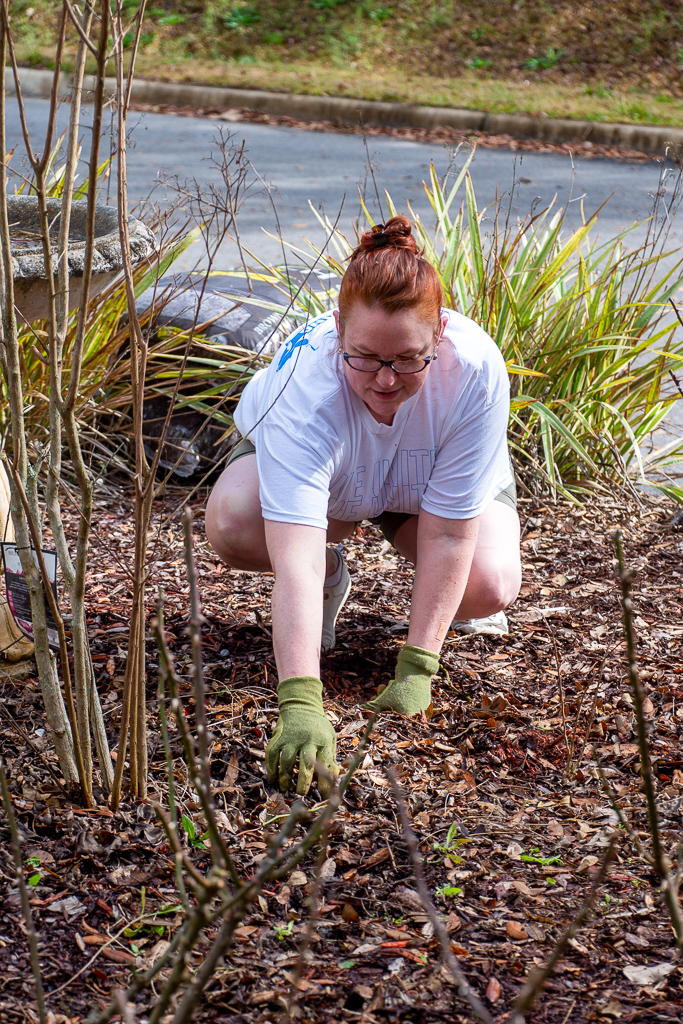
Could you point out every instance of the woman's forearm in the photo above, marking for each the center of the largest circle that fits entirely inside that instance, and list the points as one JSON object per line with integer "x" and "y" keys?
{"x": 445, "y": 549}
{"x": 297, "y": 555}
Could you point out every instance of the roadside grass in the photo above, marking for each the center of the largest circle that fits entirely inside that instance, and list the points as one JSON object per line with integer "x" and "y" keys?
{"x": 592, "y": 102}
{"x": 595, "y": 63}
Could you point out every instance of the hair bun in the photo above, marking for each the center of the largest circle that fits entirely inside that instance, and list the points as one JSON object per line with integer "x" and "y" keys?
{"x": 397, "y": 233}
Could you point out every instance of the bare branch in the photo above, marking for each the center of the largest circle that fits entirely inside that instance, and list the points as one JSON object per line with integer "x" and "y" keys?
{"x": 535, "y": 982}
{"x": 25, "y": 905}
{"x": 464, "y": 987}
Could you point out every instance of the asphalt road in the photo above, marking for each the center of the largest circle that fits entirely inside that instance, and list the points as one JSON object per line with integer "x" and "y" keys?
{"x": 327, "y": 169}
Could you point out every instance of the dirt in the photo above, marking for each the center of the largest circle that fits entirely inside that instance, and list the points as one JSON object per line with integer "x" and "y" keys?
{"x": 450, "y": 137}
{"x": 510, "y": 837}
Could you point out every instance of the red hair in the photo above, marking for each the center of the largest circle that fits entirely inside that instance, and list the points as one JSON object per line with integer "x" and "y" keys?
{"x": 388, "y": 269}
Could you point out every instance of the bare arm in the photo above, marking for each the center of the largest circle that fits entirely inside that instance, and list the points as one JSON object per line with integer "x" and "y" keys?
{"x": 297, "y": 555}
{"x": 445, "y": 548}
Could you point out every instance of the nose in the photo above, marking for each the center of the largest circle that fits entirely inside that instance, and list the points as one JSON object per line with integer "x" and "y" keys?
{"x": 386, "y": 378}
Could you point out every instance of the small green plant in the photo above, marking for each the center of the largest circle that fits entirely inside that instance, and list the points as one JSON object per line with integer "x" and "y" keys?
{"x": 679, "y": 58}
{"x": 479, "y": 62}
{"x": 241, "y": 17}
{"x": 451, "y": 844}
{"x": 283, "y": 931}
{"x": 172, "y": 19}
{"x": 380, "y": 14}
{"x": 273, "y": 38}
{"x": 196, "y": 841}
{"x": 478, "y": 35}
{"x": 550, "y": 59}
{"x": 447, "y": 891}
{"x": 534, "y": 858}
{"x": 34, "y": 862}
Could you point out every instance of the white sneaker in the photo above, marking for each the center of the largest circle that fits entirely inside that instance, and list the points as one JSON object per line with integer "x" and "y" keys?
{"x": 495, "y": 625}
{"x": 334, "y": 598}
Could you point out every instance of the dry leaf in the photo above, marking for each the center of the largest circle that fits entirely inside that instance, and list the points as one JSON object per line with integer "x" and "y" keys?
{"x": 297, "y": 878}
{"x": 653, "y": 975}
{"x": 586, "y": 862}
{"x": 327, "y": 870}
{"x": 350, "y": 914}
{"x": 377, "y": 858}
{"x": 118, "y": 956}
{"x": 493, "y": 990}
{"x": 516, "y": 931}
{"x": 648, "y": 706}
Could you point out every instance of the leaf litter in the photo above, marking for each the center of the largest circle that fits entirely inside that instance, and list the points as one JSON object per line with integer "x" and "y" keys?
{"x": 502, "y": 786}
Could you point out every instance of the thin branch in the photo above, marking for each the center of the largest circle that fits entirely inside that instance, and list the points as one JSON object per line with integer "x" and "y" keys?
{"x": 23, "y": 892}
{"x": 536, "y": 981}
{"x": 661, "y": 863}
{"x": 464, "y": 987}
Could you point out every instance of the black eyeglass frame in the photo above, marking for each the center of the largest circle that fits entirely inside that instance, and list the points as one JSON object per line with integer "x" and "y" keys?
{"x": 386, "y": 362}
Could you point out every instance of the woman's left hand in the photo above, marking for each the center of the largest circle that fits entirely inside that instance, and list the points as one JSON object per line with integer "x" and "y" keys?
{"x": 411, "y": 690}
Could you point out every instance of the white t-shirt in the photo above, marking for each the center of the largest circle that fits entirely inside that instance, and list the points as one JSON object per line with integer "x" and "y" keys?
{"x": 321, "y": 453}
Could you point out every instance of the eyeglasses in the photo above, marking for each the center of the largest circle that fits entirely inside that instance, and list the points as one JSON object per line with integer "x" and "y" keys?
{"x": 366, "y": 365}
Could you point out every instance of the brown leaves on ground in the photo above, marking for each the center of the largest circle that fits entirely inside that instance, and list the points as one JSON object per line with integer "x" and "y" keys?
{"x": 500, "y": 776}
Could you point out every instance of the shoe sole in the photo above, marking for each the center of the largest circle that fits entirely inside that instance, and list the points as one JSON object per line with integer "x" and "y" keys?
{"x": 326, "y": 648}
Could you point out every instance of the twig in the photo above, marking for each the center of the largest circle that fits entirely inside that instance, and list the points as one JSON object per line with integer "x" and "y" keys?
{"x": 661, "y": 863}
{"x": 464, "y": 987}
{"x": 560, "y": 683}
{"x": 614, "y": 804}
{"x": 535, "y": 982}
{"x": 25, "y": 906}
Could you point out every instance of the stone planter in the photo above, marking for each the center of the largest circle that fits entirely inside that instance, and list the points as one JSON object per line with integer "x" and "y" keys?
{"x": 30, "y": 296}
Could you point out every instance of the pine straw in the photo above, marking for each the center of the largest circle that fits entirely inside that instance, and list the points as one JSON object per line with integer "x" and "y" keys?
{"x": 489, "y": 757}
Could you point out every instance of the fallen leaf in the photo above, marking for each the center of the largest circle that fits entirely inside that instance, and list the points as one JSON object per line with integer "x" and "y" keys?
{"x": 586, "y": 862}
{"x": 377, "y": 858}
{"x": 453, "y": 923}
{"x": 118, "y": 956}
{"x": 297, "y": 878}
{"x": 641, "y": 975}
{"x": 327, "y": 870}
{"x": 516, "y": 931}
{"x": 648, "y": 706}
{"x": 493, "y": 990}
{"x": 350, "y": 914}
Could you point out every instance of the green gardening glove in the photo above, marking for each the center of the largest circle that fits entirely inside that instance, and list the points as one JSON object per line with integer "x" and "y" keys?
{"x": 302, "y": 731}
{"x": 411, "y": 691}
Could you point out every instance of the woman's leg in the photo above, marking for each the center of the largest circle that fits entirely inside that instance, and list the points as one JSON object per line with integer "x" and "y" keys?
{"x": 234, "y": 523}
{"x": 496, "y": 573}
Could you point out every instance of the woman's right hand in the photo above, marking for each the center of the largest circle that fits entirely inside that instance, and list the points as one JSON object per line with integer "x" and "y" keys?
{"x": 303, "y": 731}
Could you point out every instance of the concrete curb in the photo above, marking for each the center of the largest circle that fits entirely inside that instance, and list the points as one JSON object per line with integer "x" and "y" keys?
{"x": 642, "y": 138}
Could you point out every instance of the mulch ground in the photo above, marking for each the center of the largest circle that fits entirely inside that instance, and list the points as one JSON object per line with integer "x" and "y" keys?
{"x": 511, "y": 838}
{"x": 450, "y": 137}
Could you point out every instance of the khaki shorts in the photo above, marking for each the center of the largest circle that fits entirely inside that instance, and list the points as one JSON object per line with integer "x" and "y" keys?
{"x": 389, "y": 522}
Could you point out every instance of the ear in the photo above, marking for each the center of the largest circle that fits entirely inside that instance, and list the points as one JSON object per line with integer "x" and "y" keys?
{"x": 337, "y": 322}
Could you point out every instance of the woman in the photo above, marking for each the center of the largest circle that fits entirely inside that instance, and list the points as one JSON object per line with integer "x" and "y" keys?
{"x": 393, "y": 409}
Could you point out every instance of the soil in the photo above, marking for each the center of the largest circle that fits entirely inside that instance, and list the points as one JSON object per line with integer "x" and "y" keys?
{"x": 450, "y": 137}
{"x": 499, "y": 774}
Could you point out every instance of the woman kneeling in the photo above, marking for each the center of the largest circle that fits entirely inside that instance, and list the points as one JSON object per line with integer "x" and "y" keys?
{"x": 393, "y": 409}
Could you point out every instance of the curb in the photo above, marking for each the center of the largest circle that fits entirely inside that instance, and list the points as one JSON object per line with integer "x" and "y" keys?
{"x": 649, "y": 139}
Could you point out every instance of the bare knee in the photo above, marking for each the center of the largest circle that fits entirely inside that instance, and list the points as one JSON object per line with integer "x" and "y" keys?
{"x": 234, "y": 532}
{"x": 489, "y": 590}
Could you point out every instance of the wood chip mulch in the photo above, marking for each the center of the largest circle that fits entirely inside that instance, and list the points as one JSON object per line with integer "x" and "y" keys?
{"x": 511, "y": 840}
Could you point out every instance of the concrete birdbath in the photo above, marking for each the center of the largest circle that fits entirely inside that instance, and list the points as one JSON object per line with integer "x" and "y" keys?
{"x": 30, "y": 292}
